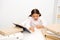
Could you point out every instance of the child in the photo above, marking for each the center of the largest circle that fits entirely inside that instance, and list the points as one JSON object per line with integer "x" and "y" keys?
{"x": 34, "y": 25}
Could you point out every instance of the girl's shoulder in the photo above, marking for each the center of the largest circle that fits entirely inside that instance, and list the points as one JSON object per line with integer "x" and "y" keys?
{"x": 39, "y": 19}
{"x": 28, "y": 19}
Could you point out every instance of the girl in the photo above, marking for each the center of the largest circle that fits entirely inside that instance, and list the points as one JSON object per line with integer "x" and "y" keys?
{"x": 34, "y": 25}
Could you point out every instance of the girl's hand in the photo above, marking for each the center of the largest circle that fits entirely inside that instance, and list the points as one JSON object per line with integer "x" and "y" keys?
{"x": 31, "y": 29}
{"x": 39, "y": 26}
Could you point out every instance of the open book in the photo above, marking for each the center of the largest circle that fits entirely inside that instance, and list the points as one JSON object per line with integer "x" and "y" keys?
{"x": 24, "y": 29}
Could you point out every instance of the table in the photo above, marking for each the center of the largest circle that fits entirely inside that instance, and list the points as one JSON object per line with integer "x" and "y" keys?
{"x": 9, "y": 31}
{"x": 55, "y": 28}
{"x": 13, "y": 33}
{"x": 53, "y": 31}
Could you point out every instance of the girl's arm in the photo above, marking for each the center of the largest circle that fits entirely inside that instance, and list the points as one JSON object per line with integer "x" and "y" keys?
{"x": 39, "y": 26}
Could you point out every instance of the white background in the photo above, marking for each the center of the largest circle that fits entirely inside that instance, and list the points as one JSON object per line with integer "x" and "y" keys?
{"x": 16, "y": 11}
{"x": 57, "y": 11}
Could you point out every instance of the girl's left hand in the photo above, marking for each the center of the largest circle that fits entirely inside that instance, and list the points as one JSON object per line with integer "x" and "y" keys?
{"x": 39, "y": 26}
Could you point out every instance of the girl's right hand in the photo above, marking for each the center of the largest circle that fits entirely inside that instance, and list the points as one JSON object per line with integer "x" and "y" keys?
{"x": 31, "y": 29}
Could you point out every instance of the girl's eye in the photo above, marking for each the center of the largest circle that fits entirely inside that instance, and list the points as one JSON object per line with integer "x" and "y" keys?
{"x": 35, "y": 15}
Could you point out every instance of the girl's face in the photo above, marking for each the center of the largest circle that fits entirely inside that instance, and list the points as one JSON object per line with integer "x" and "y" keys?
{"x": 35, "y": 16}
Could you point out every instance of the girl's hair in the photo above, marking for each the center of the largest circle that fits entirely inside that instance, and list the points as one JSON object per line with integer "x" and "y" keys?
{"x": 35, "y": 11}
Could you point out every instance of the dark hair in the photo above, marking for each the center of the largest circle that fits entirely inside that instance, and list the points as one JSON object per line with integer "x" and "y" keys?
{"x": 35, "y": 11}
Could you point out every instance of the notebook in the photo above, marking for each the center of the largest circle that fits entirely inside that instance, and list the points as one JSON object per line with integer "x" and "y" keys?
{"x": 24, "y": 29}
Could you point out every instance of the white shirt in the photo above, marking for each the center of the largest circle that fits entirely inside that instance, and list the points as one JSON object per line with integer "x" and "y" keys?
{"x": 30, "y": 22}
{"x": 37, "y": 35}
